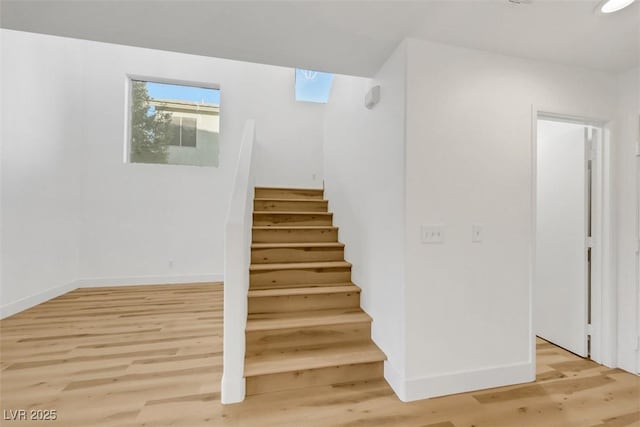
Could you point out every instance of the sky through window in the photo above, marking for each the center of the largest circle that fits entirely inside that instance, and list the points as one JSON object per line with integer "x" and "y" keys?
{"x": 313, "y": 86}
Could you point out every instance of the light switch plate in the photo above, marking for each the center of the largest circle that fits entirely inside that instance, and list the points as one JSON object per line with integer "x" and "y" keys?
{"x": 476, "y": 233}
{"x": 432, "y": 234}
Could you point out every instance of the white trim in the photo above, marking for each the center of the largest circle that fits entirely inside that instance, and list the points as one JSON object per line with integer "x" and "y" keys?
{"x": 604, "y": 319}
{"x": 570, "y": 118}
{"x": 395, "y": 381}
{"x": 532, "y": 237}
{"x": 465, "y": 381}
{"x": 607, "y": 325}
{"x": 32, "y": 300}
{"x": 92, "y": 282}
{"x": 126, "y": 155}
{"x": 170, "y": 81}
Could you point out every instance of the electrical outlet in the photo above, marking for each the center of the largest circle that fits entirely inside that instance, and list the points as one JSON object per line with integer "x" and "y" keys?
{"x": 432, "y": 234}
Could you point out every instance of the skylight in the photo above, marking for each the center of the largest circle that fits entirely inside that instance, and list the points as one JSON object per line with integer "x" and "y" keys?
{"x": 313, "y": 86}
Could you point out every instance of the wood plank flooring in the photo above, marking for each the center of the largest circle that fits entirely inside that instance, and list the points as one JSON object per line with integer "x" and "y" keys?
{"x": 151, "y": 356}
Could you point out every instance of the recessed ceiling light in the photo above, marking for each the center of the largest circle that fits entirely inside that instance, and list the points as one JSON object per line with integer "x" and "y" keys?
{"x": 519, "y": 1}
{"x": 610, "y": 6}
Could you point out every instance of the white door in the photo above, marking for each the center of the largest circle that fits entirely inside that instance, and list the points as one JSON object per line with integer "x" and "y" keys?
{"x": 638, "y": 247}
{"x": 560, "y": 286}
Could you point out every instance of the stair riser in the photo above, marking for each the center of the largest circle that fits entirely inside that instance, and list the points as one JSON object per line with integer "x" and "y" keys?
{"x": 295, "y": 236}
{"x": 314, "y": 377}
{"x": 285, "y": 255}
{"x": 279, "y": 193}
{"x": 285, "y": 278}
{"x": 291, "y": 219}
{"x": 291, "y": 206}
{"x": 260, "y": 341}
{"x": 289, "y": 303}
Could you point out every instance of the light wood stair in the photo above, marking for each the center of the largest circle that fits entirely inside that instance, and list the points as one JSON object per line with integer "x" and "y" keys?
{"x": 305, "y": 326}
{"x": 292, "y": 218}
{"x": 294, "y": 234}
{"x": 289, "y": 205}
{"x": 263, "y": 253}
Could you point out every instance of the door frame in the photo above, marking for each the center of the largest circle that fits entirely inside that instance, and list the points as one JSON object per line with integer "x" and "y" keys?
{"x": 603, "y": 287}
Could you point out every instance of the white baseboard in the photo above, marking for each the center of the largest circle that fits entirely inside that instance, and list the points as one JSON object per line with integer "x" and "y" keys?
{"x": 232, "y": 390}
{"x": 395, "y": 380}
{"x": 465, "y": 381}
{"x": 32, "y": 300}
{"x": 91, "y": 282}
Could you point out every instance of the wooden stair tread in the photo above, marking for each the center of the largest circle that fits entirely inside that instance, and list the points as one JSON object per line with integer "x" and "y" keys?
{"x": 289, "y": 189}
{"x": 303, "y": 291}
{"x": 270, "y": 199}
{"x": 272, "y": 321}
{"x": 292, "y": 212}
{"x": 300, "y": 265}
{"x": 294, "y": 227}
{"x": 273, "y": 363}
{"x": 297, "y": 245}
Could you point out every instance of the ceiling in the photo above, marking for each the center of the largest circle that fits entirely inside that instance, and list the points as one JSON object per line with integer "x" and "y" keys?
{"x": 348, "y": 37}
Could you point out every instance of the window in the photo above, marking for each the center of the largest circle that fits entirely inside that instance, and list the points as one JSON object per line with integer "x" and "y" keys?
{"x": 182, "y": 132}
{"x": 313, "y": 86}
{"x": 173, "y": 124}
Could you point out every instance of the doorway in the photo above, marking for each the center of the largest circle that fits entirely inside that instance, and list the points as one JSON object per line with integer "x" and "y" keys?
{"x": 570, "y": 233}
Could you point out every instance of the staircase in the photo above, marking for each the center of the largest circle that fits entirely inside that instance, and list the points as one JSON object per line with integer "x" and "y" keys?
{"x": 304, "y": 326}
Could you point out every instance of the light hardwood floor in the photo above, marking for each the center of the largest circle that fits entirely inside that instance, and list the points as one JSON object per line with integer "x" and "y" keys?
{"x": 151, "y": 356}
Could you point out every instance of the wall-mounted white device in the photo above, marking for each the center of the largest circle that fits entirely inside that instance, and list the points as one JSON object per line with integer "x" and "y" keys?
{"x": 372, "y": 97}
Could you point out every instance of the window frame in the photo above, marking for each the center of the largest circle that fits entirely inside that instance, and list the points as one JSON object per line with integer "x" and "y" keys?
{"x": 180, "y": 132}
{"x": 128, "y": 87}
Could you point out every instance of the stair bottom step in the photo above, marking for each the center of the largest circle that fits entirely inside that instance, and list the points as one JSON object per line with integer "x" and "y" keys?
{"x": 332, "y": 375}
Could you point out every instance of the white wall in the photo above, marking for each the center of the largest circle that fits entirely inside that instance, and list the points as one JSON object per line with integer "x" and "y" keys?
{"x": 467, "y": 321}
{"x": 42, "y": 110}
{"x": 364, "y": 180}
{"x": 625, "y": 139}
{"x": 469, "y": 160}
{"x": 176, "y": 213}
{"x": 137, "y": 222}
